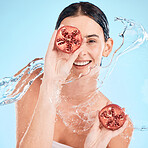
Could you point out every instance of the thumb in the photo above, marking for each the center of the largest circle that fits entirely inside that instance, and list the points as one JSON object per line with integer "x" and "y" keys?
{"x": 108, "y": 102}
{"x": 96, "y": 125}
{"x": 73, "y": 57}
{"x": 51, "y": 45}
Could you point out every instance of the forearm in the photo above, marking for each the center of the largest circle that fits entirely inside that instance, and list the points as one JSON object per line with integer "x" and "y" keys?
{"x": 41, "y": 129}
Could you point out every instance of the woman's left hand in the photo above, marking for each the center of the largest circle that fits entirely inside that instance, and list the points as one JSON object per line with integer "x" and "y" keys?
{"x": 99, "y": 136}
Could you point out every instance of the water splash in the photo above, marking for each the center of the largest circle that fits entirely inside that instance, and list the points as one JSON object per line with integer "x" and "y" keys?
{"x": 142, "y": 128}
{"x": 83, "y": 114}
{"x": 71, "y": 115}
{"x": 13, "y": 88}
{"x": 138, "y": 38}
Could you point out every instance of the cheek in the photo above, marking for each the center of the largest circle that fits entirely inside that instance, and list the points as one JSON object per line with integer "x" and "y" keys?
{"x": 97, "y": 54}
{"x": 98, "y": 49}
{"x": 97, "y": 57}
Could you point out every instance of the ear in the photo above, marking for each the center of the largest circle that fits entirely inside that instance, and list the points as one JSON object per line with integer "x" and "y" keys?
{"x": 108, "y": 47}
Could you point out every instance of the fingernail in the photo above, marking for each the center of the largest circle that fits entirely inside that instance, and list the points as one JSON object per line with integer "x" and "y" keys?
{"x": 61, "y": 25}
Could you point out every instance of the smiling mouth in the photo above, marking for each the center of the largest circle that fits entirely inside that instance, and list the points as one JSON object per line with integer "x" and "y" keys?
{"x": 84, "y": 63}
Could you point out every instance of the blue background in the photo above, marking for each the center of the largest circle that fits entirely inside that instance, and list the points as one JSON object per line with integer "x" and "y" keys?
{"x": 25, "y": 30}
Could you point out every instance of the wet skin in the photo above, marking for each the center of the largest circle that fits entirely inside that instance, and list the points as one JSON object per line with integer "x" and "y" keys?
{"x": 93, "y": 48}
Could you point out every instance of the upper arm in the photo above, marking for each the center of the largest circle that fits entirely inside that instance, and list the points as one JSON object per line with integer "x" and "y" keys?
{"x": 25, "y": 107}
{"x": 123, "y": 139}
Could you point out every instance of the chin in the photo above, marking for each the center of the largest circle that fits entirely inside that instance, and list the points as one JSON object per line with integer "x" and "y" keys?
{"x": 79, "y": 71}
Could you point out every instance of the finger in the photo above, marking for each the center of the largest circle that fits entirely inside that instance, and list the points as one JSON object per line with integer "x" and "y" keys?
{"x": 123, "y": 109}
{"x": 101, "y": 126}
{"x": 127, "y": 117}
{"x": 108, "y": 102}
{"x": 73, "y": 57}
{"x": 96, "y": 125}
{"x": 61, "y": 25}
{"x": 121, "y": 129}
{"x": 51, "y": 43}
{"x": 124, "y": 126}
{"x": 54, "y": 36}
{"x": 126, "y": 122}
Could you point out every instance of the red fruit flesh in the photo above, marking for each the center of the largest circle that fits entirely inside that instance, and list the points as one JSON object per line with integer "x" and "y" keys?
{"x": 112, "y": 117}
{"x": 68, "y": 39}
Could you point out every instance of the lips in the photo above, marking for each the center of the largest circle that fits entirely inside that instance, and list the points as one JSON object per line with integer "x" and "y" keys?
{"x": 82, "y": 63}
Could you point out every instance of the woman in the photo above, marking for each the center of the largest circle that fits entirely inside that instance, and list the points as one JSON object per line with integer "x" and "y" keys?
{"x": 36, "y": 111}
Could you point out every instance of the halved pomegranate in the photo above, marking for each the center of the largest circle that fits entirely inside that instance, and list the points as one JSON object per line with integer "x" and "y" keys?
{"x": 112, "y": 117}
{"x": 68, "y": 39}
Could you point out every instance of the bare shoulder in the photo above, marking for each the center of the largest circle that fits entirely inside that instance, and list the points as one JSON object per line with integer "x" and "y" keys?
{"x": 124, "y": 138}
{"x": 26, "y": 105}
{"x": 30, "y": 97}
{"x": 104, "y": 99}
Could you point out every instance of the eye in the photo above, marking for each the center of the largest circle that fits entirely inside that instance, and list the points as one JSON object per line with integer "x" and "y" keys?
{"x": 91, "y": 41}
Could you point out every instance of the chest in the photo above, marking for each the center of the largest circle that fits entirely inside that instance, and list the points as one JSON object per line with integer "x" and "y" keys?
{"x": 65, "y": 135}
{"x": 73, "y": 124}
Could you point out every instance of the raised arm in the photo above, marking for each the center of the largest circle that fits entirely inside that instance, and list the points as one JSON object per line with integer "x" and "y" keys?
{"x": 37, "y": 112}
{"x": 25, "y": 108}
{"x": 39, "y": 128}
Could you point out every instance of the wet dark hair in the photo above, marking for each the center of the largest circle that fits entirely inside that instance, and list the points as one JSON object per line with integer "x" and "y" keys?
{"x": 87, "y": 9}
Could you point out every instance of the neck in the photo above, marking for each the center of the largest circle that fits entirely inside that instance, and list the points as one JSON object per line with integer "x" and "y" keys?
{"x": 78, "y": 91}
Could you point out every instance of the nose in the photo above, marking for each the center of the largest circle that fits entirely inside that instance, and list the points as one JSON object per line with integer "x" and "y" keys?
{"x": 84, "y": 50}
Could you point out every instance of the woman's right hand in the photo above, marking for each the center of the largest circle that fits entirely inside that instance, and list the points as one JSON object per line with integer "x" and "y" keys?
{"x": 57, "y": 64}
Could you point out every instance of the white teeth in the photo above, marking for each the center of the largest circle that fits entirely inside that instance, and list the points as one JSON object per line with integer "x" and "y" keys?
{"x": 81, "y": 63}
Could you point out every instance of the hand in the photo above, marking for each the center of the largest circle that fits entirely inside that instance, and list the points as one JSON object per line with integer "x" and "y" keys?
{"x": 99, "y": 136}
{"x": 58, "y": 64}
{"x": 57, "y": 67}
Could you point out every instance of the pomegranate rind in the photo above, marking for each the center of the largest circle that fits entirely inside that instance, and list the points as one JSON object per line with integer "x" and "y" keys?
{"x": 112, "y": 117}
{"x": 72, "y": 44}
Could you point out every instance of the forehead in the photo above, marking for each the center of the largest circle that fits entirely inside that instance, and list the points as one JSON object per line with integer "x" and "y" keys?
{"x": 86, "y": 25}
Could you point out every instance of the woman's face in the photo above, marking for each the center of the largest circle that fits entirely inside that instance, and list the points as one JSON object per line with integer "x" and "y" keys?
{"x": 92, "y": 46}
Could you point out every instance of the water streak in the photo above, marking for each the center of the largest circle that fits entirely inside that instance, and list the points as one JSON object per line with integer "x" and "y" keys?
{"x": 13, "y": 88}
{"x": 9, "y": 90}
{"x": 138, "y": 37}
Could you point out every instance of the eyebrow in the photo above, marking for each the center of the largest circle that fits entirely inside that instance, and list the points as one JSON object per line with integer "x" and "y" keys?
{"x": 92, "y": 35}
